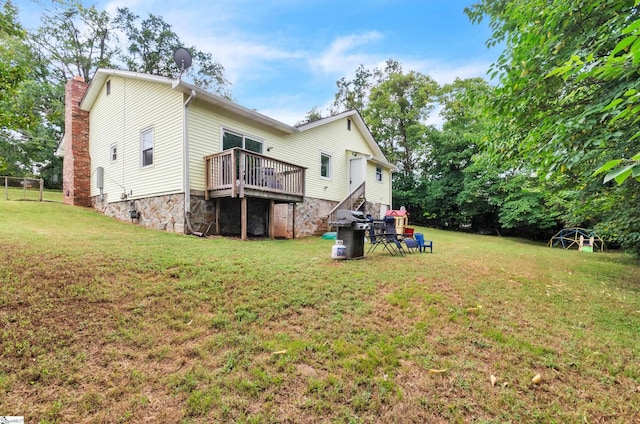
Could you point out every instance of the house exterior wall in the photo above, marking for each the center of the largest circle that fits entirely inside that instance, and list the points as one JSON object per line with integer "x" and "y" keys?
{"x": 137, "y": 102}
{"x": 206, "y": 124}
{"x": 117, "y": 119}
{"x": 336, "y": 139}
{"x": 378, "y": 192}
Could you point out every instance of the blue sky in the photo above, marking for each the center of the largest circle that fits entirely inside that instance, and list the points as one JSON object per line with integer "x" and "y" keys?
{"x": 283, "y": 57}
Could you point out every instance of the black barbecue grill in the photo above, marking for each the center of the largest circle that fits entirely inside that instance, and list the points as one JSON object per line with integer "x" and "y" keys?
{"x": 351, "y": 228}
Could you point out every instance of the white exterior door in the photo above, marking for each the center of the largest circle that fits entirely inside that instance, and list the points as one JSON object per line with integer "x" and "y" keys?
{"x": 356, "y": 173}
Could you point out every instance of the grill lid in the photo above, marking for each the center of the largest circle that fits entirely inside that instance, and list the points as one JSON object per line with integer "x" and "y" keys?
{"x": 350, "y": 216}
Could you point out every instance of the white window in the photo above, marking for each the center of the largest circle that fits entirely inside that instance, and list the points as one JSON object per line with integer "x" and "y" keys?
{"x": 233, "y": 139}
{"x": 325, "y": 165}
{"x": 378, "y": 174}
{"x": 146, "y": 147}
{"x": 108, "y": 87}
{"x": 113, "y": 152}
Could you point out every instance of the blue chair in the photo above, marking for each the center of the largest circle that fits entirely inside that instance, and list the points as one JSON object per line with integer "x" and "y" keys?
{"x": 412, "y": 244}
{"x": 422, "y": 243}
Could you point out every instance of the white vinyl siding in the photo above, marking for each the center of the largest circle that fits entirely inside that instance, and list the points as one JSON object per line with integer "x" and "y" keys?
{"x": 206, "y": 127}
{"x": 118, "y": 119}
{"x": 335, "y": 138}
{"x": 378, "y": 191}
{"x": 207, "y": 124}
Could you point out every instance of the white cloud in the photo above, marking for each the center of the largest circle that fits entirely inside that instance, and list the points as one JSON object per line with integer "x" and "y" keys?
{"x": 289, "y": 116}
{"x": 242, "y": 57}
{"x": 339, "y": 58}
{"x": 446, "y": 73}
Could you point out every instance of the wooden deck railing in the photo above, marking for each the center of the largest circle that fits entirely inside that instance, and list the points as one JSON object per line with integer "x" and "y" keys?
{"x": 234, "y": 171}
{"x": 353, "y": 201}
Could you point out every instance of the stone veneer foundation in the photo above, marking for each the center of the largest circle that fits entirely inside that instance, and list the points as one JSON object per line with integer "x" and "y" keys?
{"x": 161, "y": 212}
{"x": 167, "y": 213}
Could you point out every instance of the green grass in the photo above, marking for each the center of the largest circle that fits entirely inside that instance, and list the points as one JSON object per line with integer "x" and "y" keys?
{"x": 104, "y": 321}
{"x": 30, "y": 194}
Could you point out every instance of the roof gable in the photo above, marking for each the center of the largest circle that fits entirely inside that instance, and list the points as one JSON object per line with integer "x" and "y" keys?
{"x": 356, "y": 118}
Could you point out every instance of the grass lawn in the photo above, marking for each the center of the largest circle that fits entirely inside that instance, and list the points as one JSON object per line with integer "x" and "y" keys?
{"x": 104, "y": 321}
{"x": 31, "y": 194}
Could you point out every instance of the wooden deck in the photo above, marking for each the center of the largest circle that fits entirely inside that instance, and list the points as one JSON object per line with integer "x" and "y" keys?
{"x": 241, "y": 173}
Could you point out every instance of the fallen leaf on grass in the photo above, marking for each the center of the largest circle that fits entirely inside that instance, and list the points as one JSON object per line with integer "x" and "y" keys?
{"x": 433, "y": 371}
{"x": 493, "y": 380}
{"x": 280, "y": 352}
{"x": 474, "y": 309}
{"x": 536, "y": 379}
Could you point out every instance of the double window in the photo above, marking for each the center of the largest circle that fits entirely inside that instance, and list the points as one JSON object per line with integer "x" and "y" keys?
{"x": 234, "y": 139}
{"x": 146, "y": 147}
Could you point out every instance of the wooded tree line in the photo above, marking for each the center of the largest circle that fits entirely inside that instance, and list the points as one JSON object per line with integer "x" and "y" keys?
{"x": 524, "y": 155}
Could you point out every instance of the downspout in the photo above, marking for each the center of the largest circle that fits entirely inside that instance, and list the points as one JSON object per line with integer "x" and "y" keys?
{"x": 185, "y": 154}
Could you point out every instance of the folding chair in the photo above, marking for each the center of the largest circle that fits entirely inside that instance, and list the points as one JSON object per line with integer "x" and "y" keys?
{"x": 378, "y": 240}
{"x": 412, "y": 244}
{"x": 422, "y": 243}
{"x": 391, "y": 236}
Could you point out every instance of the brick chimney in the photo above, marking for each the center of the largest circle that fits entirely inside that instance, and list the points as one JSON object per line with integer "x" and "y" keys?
{"x": 76, "y": 172}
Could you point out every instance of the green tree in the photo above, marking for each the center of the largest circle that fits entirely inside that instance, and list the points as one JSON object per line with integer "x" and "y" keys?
{"x": 75, "y": 40}
{"x": 353, "y": 94}
{"x": 561, "y": 122}
{"x": 150, "y": 46}
{"x": 396, "y": 113}
{"x": 313, "y": 115}
{"x": 447, "y": 186}
{"x": 16, "y": 61}
{"x": 566, "y": 98}
{"x": 30, "y": 107}
{"x": 395, "y": 107}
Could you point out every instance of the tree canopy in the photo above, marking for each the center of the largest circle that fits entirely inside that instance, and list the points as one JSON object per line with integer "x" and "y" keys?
{"x": 567, "y": 102}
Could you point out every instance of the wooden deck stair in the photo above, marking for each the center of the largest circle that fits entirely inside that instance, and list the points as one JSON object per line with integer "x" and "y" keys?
{"x": 353, "y": 201}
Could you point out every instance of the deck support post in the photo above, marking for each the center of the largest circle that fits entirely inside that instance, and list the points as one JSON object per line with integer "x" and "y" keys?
{"x": 243, "y": 219}
{"x": 217, "y": 216}
{"x": 293, "y": 232}
{"x": 272, "y": 224}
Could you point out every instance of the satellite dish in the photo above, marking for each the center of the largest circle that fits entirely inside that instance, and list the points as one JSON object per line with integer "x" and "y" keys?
{"x": 182, "y": 58}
